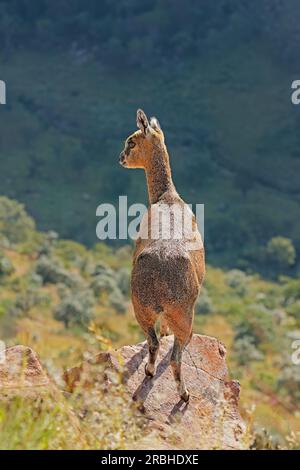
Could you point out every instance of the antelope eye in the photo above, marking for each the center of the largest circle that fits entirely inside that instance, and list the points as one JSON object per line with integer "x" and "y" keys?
{"x": 131, "y": 144}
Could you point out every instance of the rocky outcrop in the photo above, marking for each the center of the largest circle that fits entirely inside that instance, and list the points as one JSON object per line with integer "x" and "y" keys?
{"x": 210, "y": 419}
{"x": 21, "y": 374}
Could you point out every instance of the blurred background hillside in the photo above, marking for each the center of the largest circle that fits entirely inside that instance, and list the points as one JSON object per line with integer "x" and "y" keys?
{"x": 218, "y": 77}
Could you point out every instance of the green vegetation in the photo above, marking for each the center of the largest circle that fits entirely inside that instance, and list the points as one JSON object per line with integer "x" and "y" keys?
{"x": 280, "y": 253}
{"x": 217, "y": 78}
{"x": 153, "y": 32}
{"x": 84, "y": 421}
{"x": 68, "y": 302}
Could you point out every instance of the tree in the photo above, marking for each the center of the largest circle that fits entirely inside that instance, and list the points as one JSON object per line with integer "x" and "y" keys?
{"x": 51, "y": 271}
{"x": 15, "y": 224}
{"x": 6, "y": 266}
{"x": 203, "y": 304}
{"x": 75, "y": 308}
{"x": 280, "y": 253}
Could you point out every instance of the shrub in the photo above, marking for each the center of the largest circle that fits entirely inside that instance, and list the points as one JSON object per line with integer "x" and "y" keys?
{"x": 75, "y": 308}
{"x": 71, "y": 252}
{"x": 246, "y": 350}
{"x": 291, "y": 291}
{"x": 257, "y": 324}
{"x": 280, "y": 253}
{"x": 123, "y": 281}
{"x": 102, "y": 268}
{"x": 117, "y": 301}
{"x": 289, "y": 379}
{"x": 6, "y": 266}
{"x": 15, "y": 224}
{"x": 26, "y": 300}
{"x": 237, "y": 280}
{"x": 103, "y": 283}
{"x": 107, "y": 282}
{"x": 52, "y": 272}
{"x": 5, "y": 306}
{"x": 35, "y": 279}
{"x": 47, "y": 244}
{"x": 4, "y": 242}
{"x": 203, "y": 304}
{"x": 279, "y": 316}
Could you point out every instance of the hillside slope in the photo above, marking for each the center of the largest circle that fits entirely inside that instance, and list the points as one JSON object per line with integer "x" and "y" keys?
{"x": 229, "y": 125}
{"x": 69, "y": 303}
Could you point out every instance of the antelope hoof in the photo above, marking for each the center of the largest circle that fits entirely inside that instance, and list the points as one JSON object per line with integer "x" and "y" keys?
{"x": 185, "y": 396}
{"x": 149, "y": 370}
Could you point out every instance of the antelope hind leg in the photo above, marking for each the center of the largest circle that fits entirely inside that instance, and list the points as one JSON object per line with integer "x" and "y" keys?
{"x": 181, "y": 325}
{"x": 147, "y": 320}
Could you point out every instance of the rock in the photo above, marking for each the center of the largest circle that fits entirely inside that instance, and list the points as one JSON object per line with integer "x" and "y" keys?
{"x": 21, "y": 373}
{"x": 210, "y": 419}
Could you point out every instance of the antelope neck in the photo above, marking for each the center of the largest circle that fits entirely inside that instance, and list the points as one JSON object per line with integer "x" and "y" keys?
{"x": 159, "y": 177}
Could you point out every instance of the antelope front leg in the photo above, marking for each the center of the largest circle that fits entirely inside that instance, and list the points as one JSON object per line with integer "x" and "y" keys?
{"x": 181, "y": 322}
{"x": 176, "y": 367}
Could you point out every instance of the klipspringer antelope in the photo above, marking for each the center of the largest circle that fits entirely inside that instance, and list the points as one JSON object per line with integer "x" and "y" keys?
{"x": 168, "y": 270}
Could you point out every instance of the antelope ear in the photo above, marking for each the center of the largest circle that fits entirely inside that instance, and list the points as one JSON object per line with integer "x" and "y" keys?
{"x": 142, "y": 121}
{"x": 156, "y": 127}
{"x": 154, "y": 123}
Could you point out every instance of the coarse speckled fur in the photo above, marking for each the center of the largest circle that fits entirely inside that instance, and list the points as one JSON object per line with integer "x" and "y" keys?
{"x": 167, "y": 271}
